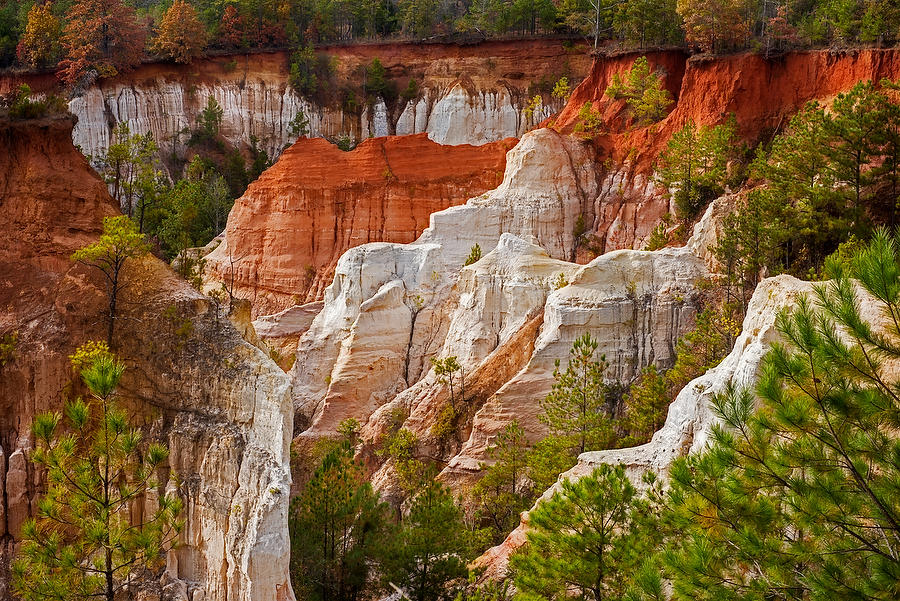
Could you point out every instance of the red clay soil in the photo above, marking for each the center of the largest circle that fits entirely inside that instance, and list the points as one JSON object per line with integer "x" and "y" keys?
{"x": 761, "y": 93}
{"x": 316, "y": 202}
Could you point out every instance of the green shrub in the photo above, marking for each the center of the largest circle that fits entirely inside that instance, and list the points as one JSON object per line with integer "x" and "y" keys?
{"x": 474, "y": 255}
{"x": 8, "y": 344}
{"x": 642, "y": 91}
{"x": 590, "y": 123}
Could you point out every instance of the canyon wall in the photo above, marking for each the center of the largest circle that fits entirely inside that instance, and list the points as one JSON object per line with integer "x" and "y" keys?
{"x": 467, "y": 94}
{"x": 391, "y": 307}
{"x": 221, "y": 405}
{"x": 278, "y": 267}
{"x": 762, "y": 93}
{"x": 286, "y": 233}
{"x": 507, "y": 317}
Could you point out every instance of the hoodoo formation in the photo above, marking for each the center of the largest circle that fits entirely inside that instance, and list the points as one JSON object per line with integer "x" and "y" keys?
{"x": 308, "y": 301}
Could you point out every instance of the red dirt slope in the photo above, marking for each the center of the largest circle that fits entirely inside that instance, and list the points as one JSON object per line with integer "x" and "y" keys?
{"x": 289, "y": 229}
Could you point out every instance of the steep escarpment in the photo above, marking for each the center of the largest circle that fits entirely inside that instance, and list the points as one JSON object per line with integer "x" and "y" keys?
{"x": 285, "y": 235}
{"x": 762, "y": 93}
{"x": 465, "y": 94}
{"x": 191, "y": 381}
{"x": 688, "y": 426}
{"x": 507, "y": 318}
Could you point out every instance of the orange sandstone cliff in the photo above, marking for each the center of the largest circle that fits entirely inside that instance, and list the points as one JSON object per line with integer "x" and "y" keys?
{"x": 761, "y": 93}
{"x": 285, "y": 235}
{"x": 221, "y": 406}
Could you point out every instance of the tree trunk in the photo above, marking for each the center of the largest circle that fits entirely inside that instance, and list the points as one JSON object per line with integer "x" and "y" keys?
{"x": 113, "y": 294}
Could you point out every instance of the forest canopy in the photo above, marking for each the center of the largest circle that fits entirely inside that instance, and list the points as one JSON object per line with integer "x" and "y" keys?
{"x": 107, "y": 35}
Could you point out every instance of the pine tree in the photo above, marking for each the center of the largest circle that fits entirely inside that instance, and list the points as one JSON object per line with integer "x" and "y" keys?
{"x": 87, "y": 542}
{"x": 210, "y": 120}
{"x": 131, "y": 167}
{"x": 804, "y": 190}
{"x": 643, "y": 92}
{"x": 336, "y": 527}
{"x": 856, "y": 126}
{"x": 695, "y": 164}
{"x": 751, "y": 242}
{"x": 797, "y": 499}
{"x": 102, "y": 38}
{"x": 117, "y": 246}
{"x": 503, "y": 493}
{"x": 588, "y": 538}
{"x": 645, "y": 406}
{"x": 181, "y": 35}
{"x": 575, "y": 409}
{"x": 39, "y": 44}
{"x": 428, "y": 558}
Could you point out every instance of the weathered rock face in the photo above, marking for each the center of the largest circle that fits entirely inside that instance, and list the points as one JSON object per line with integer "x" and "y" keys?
{"x": 467, "y": 94}
{"x": 285, "y": 235}
{"x": 761, "y": 93}
{"x": 688, "y": 426}
{"x": 391, "y": 307}
{"x": 541, "y": 196}
{"x": 219, "y": 403}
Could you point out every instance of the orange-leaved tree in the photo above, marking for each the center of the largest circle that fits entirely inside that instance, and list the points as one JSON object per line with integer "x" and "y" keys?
{"x": 715, "y": 25}
{"x": 40, "y": 41}
{"x": 181, "y": 35}
{"x": 102, "y": 38}
{"x": 232, "y": 29}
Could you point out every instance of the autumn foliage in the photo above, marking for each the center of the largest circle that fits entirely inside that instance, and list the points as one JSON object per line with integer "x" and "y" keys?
{"x": 40, "y": 42}
{"x": 715, "y": 25}
{"x": 102, "y": 38}
{"x": 181, "y": 36}
{"x": 232, "y": 30}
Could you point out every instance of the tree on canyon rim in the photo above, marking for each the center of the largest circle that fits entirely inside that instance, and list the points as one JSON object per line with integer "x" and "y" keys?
{"x": 40, "y": 41}
{"x": 117, "y": 246}
{"x": 86, "y": 541}
{"x": 181, "y": 36}
{"x": 102, "y": 38}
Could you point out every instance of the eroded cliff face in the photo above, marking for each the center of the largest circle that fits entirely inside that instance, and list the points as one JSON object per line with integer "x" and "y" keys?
{"x": 507, "y": 318}
{"x": 690, "y": 419}
{"x": 761, "y": 93}
{"x": 220, "y": 404}
{"x": 285, "y": 235}
{"x": 469, "y": 94}
{"x": 391, "y": 307}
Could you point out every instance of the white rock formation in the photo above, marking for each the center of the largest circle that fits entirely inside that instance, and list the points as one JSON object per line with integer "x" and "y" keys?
{"x": 460, "y": 116}
{"x": 689, "y": 422}
{"x": 229, "y": 443}
{"x": 393, "y": 306}
{"x": 635, "y": 303}
{"x": 549, "y": 182}
{"x": 259, "y": 107}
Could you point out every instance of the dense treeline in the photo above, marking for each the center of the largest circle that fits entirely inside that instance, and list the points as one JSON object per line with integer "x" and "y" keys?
{"x": 106, "y": 35}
